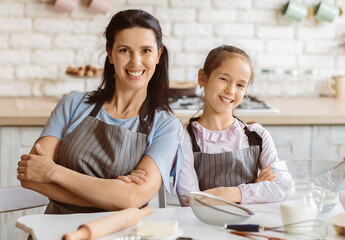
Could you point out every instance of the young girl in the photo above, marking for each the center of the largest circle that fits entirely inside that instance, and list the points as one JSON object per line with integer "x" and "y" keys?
{"x": 222, "y": 153}
{"x": 92, "y": 138}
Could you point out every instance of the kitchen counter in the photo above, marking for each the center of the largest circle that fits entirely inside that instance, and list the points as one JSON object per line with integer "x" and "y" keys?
{"x": 26, "y": 111}
{"x": 303, "y": 111}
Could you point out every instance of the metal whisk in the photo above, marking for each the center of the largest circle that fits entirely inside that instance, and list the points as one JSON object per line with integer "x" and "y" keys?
{"x": 310, "y": 229}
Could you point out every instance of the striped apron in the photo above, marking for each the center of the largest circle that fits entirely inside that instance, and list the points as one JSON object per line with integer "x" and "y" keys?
{"x": 101, "y": 150}
{"x": 227, "y": 169}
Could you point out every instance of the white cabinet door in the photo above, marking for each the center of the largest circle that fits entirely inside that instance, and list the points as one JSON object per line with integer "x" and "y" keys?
{"x": 318, "y": 142}
{"x": 292, "y": 142}
{"x": 328, "y": 142}
{"x": 14, "y": 141}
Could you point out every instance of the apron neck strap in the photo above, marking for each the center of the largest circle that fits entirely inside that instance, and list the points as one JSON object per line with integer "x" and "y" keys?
{"x": 253, "y": 137}
{"x": 145, "y": 117}
{"x": 196, "y": 147}
{"x": 96, "y": 109}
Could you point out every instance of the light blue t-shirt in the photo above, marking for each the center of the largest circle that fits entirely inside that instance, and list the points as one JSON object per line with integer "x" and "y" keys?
{"x": 163, "y": 141}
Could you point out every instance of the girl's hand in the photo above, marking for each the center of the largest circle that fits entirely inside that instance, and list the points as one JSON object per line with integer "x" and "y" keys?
{"x": 266, "y": 174}
{"x": 136, "y": 176}
{"x": 228, "y": 193}
{"x": 35, "y": 167}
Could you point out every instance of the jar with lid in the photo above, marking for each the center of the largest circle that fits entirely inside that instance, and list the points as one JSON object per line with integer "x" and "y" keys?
{"x": 270, "y": 82}
{"x": 313, "y": 85}
{"x": 291, "y": 83}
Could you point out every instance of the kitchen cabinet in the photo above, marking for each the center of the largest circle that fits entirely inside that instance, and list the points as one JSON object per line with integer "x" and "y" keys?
{"x": 328, "y": 142}
{"x": 14, "y": 141}
{"x": 309, "y": 142}
{"x": 292, "y": 142}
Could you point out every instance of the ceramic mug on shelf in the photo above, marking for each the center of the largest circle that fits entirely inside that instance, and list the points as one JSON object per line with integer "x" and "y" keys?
{"x": 339, "y": 87}
{"x": 326, "y": 11}
{"x": 100, "y": 6}
{"x": 65, "y": 5}
{"x": 295, "y": 11}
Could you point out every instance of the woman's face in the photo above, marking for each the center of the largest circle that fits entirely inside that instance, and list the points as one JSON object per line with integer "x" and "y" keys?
{"x": 134, "y": 55}
{"x": 226, "y": 85}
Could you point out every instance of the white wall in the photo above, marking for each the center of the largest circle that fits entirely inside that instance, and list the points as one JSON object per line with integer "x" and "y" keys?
{"x": 37, "y": 43}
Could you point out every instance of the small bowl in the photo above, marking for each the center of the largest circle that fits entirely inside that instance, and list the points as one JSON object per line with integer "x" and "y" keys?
{"x": 217, "y": 211}
{"x": 338, "y": 223}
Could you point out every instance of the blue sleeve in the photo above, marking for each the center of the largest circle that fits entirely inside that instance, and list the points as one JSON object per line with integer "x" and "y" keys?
{"x": 165, "y": 147}
{"x": 61, "y": 116}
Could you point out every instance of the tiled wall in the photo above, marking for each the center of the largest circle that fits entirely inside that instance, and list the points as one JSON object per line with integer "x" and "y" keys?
{"x": 37, "y": 43}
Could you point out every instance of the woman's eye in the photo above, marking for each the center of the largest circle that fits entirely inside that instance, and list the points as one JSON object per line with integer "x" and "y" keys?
{"x": 147, "y": 50}
{"x": 241, "y": 85}
{"x": 124, "y": 50}
{"x": 224, "y": 79}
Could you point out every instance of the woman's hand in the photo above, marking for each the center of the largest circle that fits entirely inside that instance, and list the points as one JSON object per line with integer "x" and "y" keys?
{"x": 136, "y": 176}
{"x": 266, "y": 174}
{"x": 35, "y": 167}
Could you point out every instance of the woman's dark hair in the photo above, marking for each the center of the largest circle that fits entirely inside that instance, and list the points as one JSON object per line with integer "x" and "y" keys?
{"x": 216, "y": 56}
{"x": 157, "y": 97}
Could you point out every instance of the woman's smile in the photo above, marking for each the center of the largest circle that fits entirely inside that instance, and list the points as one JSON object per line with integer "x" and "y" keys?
{"x": 135, "y": 74}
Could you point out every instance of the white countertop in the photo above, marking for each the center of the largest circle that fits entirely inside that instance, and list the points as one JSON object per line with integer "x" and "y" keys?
{"x": 53, "y": 227}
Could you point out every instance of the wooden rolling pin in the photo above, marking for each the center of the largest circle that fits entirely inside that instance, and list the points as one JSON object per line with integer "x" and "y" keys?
{"x": 109, "y": 224}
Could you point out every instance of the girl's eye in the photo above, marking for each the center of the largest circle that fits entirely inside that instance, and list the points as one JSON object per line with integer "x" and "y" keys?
{"x": 224, "y": 79}
{"x": 241, "y": 85}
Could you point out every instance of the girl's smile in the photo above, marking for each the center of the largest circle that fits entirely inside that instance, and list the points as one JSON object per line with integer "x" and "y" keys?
{"x": 226, "y": 100}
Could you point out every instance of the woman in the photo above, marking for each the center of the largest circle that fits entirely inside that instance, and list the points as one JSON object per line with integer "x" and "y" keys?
{"x": 92, "y": 138}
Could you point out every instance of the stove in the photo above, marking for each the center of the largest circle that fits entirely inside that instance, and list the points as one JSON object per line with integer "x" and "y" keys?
{"x": 191, "y": 105}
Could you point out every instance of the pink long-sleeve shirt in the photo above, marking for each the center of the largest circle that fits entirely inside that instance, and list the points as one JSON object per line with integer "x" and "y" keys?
{"x": 233, "y": 138}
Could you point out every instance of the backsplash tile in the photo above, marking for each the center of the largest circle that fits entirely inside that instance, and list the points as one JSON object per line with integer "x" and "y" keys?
{"x": 37, "y": 43}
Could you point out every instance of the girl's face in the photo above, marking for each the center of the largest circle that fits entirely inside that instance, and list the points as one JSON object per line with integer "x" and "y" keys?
{"x": 134, "y": 55}
{"x": 226, "y": 85}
